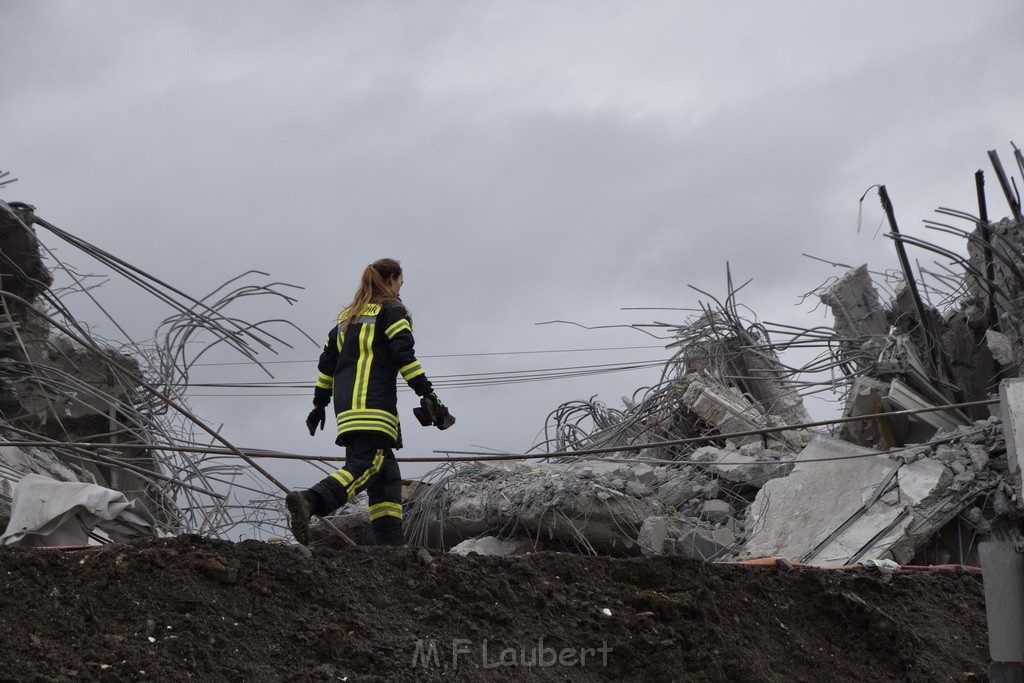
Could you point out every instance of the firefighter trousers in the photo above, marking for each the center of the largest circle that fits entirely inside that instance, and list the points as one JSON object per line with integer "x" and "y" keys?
{"x": 369, "y": 464}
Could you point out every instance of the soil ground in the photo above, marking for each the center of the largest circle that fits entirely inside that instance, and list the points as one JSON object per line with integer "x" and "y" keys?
{"x": 192, "y": 608}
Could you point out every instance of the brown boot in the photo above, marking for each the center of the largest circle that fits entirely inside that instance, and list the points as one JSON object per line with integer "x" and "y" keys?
{"x": 300, "y": 511}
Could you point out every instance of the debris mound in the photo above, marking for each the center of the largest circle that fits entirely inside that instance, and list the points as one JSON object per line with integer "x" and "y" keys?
{"x": 192, "y": 608}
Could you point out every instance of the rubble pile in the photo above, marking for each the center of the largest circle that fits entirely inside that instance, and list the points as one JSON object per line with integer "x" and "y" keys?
{"x": 75, "y": 408}
{"x": 722, "y": 460}
{"x": 51, "y": 388}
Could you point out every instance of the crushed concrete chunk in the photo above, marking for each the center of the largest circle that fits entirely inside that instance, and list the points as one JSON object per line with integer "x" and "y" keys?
{"x": 747, "y": 471}
{"x": 979, "y": 456}
{"x": 1012, "y": 394}
{"x": 1000, "y": 346}
{"x": 652, "y": 536}
{"x": 701, "y": 544}
{"x": 716, "y": 510}
{"x": 921, "y": 482}
{"x": 676, "y": 493}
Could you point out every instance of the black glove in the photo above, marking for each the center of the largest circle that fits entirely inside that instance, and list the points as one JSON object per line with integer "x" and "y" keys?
{"x": 433, "y": 412}
{"x": 317, "y": 415}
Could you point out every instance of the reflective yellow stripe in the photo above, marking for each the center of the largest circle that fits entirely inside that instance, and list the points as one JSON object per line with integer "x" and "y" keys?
{"x": 367, "y": 415}
{"x": 363, "y": 366}
{"x": 402, "y": 324}
{"x": 325, "y": 381}
{"x": 353, "y": 488}
{"x": 369, "y": 419}
{"x": 385, "y": 429}
{"x": 344, "y": 477}
{"x": 385, "y": 510}
{"x": 413, "y": 369}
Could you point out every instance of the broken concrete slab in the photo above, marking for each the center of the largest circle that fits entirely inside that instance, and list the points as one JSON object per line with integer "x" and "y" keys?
{"x": 652, "y": 536}
{"x": 551, "y": 503}
{"x": 922, "y": 481}
{"x": 715, "y": 510}
{"x": 703, "y": 544}
{"x": 1011, "y": 394}
{"x": 924, "y": 425}
{"x": 677, "y": 493}
{"x": 1001, "y": 347}
{"x": 792, "y": 516}
{"x": 723, "y": 406}
{"x": 744, "y": 470}
{"x": 858, "y": 312}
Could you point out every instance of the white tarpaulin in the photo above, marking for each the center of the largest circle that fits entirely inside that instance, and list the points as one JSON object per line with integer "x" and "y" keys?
{"x": 46, "y": 512}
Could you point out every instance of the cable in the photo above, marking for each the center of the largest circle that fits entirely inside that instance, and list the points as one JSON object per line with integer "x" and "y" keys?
{"x": 312, "y": 361}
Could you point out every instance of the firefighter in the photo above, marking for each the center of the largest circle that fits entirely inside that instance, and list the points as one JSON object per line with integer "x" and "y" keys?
{"x": 365, "y": 352}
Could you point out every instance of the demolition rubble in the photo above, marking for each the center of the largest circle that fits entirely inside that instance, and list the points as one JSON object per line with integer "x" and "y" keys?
{"x": 721, "y": 460}
{"x": 100, "y": 430}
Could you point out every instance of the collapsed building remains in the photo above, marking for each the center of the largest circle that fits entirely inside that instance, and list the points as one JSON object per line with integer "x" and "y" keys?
{"x": 721, "y": 459}
{"x": 75, "y": 408}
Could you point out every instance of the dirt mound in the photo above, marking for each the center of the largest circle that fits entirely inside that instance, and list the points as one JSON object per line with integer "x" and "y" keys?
{"x": 192, "y": 608}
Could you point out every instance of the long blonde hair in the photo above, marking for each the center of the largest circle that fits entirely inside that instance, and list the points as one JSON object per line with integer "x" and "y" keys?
{"x": 373, "y": 289}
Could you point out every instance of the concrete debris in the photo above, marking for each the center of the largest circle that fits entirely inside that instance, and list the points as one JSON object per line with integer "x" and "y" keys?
{"x": 653, "y": 535}
{"x": 734, "y": 468}
{"x": 703, "y": 544}
{"x": 1012, "y": 395}
{"x": 924, "y": 477}
{"x": 717, "y": 461}
{"x": 77, "y": 409}
{"x": 858, "y": 313}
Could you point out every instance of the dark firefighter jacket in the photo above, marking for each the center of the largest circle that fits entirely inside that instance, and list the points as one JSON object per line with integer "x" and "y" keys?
{"x": 361, "y": 367}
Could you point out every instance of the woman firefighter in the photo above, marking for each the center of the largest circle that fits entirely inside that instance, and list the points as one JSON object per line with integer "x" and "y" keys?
{"x": 365, "y": 352}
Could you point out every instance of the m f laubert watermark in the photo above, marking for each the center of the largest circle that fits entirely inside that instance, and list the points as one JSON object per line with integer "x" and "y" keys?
{"x": 429, "y": 653}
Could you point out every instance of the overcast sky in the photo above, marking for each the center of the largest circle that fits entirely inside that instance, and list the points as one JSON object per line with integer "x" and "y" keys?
{"x": 526, "y": 161}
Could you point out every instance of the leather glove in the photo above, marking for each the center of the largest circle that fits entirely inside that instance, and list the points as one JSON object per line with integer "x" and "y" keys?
{"x": 317, "y": 416}
{"x": 433, "y": 412}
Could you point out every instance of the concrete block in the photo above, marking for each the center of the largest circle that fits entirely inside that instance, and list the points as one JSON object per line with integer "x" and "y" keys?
{"x": 979, "y": 456}
{"x": 725, "y": 407}
{"x": 716, "y": 510}
{"x": 600, "y": 468}
{"x": 1011, "y": 394}
{"x": 708, "y": 454}
{"x": 652, "y": 536}
{"x": 964, "y": 477}
{"x": 565, "y": 509}
{"x": 1000, "y": 503}
{"x": 922, "y": 482}
{"x": 676, "y": 493}
{"x": 638, "y": 490}
{"x": 1003, "y": 568}
{"x": 855, "y": 305}
{"x": 644, "y": 473}
{"x": 1000, "y": 346}
{"x": 946, "y": 454}
{"x": 792, "y": 515}
{"x": 747, "y": 471}
{"x": 700, "y": 544}
{"x": 723, "y": 536}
